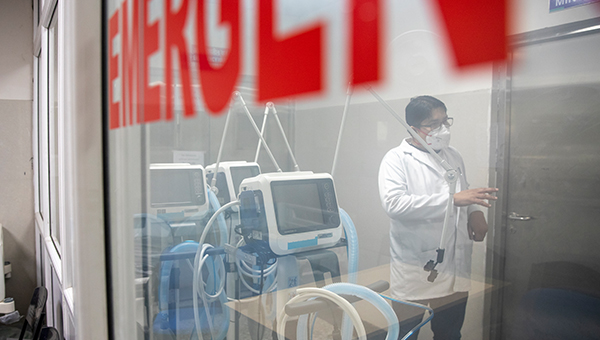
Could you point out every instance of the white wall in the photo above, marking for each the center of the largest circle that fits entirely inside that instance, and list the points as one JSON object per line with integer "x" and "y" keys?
{"x": 16, "y": 172}
{"x": 17, "y": 45}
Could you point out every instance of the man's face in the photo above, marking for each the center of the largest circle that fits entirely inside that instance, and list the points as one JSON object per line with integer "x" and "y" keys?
{"x": 437, "y": 117}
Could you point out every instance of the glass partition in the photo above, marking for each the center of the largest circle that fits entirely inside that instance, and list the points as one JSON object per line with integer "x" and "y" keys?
{"x": 307, "y": 101}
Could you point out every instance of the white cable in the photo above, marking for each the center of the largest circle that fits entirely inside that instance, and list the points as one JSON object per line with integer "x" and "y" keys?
{"x": 200, "y": 258}
{"x": 213, "y": 218}
{"x": 221, "y": 274}
{"x": 253, "y": 290}
{"x": 199, "y": 288}
{"x": 249, "y": 271}
{"x": 255, "y": 272}
{"x": 245, "y": 270}
{"x": 307, "y": 293}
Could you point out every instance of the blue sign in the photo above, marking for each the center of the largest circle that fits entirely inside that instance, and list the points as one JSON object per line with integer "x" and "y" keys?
{"x": 557, "y": 5}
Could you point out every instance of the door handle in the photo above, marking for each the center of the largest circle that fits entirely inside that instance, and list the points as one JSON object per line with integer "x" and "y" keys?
{"x": 516, "y": 217}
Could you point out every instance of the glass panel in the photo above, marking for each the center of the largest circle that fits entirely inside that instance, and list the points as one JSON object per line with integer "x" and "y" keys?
{"x": 173, "y": 114}
{"x": 212, "y": 108}
{"x": 552, "y": 200}
{"x": 53, "y": 113}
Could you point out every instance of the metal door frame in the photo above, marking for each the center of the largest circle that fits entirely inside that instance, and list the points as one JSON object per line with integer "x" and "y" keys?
{"x": 499, "y": 164}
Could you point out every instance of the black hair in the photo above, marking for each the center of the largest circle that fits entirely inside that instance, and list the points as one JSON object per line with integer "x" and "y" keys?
{"x": 420, "y": 108}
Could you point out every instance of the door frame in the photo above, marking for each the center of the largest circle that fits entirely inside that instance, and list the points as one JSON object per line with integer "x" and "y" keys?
{"x": 499, "y": 164}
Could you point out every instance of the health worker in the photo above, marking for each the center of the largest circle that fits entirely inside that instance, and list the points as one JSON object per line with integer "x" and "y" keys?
{"x": 414, "y": 194}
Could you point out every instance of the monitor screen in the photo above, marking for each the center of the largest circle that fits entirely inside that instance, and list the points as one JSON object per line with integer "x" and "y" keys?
{"x": 302, "y": 206}
{"x": 176, "y": 187}
{"x": 239, "y": 173}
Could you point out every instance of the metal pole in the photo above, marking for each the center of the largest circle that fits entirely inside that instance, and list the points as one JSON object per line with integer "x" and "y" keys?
{"x": 239, "y": 96}
{"x": 271, "y": 106}
{"x": 213, "y": 182}
{"x": 262, "y": 133}
{"x": 342, "y": 125}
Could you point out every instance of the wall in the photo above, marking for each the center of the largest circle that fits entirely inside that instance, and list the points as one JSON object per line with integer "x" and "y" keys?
{"x": 16, "y": 172}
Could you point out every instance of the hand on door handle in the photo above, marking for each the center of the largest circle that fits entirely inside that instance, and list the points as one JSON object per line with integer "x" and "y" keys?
{"x": 516, "y": 217}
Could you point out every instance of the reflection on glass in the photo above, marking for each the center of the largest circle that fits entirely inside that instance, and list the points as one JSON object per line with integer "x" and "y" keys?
{"x": 156, "y": 224}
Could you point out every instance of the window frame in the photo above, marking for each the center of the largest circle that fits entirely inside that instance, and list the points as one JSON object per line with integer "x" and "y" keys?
{"x": 54, "y": 134}
{"x": 48, "y": 145}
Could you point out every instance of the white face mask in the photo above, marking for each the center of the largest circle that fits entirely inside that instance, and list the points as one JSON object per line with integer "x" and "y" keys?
{"x": 439, "y": 138}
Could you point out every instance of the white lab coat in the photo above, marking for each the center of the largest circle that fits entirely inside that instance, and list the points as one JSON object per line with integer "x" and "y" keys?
{"x": 414, "y": 194}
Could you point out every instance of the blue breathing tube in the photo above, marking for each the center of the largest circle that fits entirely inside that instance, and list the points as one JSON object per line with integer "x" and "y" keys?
{"x": 375, "y": 299}
{"x": 364, "y": 293}
{"x": 165, "y": 273}
{"x": 352, "y": 249}
{"x": 417, "y": 327}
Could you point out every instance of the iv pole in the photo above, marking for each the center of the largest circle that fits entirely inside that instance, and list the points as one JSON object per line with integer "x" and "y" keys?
{"x": 238, "y": 96}
{"x": 270, "y": 107}
{"x": 450, "y": 176}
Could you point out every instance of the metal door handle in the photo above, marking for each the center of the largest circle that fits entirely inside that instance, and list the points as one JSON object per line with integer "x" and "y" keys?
{"x": 517, "y": 217}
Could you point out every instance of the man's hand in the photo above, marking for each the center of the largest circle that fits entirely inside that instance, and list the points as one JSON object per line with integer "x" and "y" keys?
{"x": 477, "y": 227}
{"x": 475, "y": 196}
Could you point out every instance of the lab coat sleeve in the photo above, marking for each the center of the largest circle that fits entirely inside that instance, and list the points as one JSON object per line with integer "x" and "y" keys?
{"x": 473, "y": 208}
{"x": 396, "y": 200}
